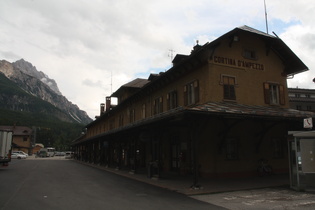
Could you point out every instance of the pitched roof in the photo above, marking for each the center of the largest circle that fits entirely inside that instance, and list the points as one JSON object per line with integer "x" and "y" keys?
{"x": 221, "y": 109}
{"x": 18, "y": 130}
{"x": 134, "y": 84}
{"x": 225, "y": 108}
{"x": 252, "y": 30}
{"x": 293, "y": 64}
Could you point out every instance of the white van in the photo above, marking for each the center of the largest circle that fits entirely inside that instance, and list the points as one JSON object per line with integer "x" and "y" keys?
{"x": 21, "y": 152}
{"x": 69, "y": 155}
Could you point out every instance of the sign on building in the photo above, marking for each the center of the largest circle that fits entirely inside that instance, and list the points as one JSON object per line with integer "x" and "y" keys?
{"x": 308, "y": 123}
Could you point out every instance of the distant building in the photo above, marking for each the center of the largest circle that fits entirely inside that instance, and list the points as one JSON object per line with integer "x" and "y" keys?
{"x": 37, "y": 148}
{"x": 302, "y": 99}
{"x": 22, "y": 138}
{"x": 215, "y": 113}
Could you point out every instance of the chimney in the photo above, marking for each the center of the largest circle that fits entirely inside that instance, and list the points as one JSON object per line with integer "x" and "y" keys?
{"x": 108, "y": 103}
{"x": 102, "y": 108}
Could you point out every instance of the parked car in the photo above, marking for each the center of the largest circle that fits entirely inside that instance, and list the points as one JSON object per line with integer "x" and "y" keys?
{"x": 69, "y": 155}
{"x": 60, "y": 153}
{"x": 15, "y": 155}
{"x": 21, "y": 152}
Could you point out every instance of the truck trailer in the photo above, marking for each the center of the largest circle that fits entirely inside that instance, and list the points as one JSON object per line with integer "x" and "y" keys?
{"x": 5, "y": 147}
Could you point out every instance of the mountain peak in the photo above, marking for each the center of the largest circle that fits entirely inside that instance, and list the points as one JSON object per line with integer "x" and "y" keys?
{"x": 39, "y": 85}
{"x": 28, "y": 68}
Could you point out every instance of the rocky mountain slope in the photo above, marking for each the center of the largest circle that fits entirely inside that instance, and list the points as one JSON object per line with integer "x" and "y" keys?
{"x": 39, "y": 85}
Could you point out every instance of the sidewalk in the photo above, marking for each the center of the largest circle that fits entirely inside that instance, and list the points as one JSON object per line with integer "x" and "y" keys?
{"x": 269, "y": 192}
{"x": 207, "y": 186}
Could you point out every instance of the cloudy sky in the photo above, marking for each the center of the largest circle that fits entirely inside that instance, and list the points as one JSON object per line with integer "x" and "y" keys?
{"x": 92, "y": 47}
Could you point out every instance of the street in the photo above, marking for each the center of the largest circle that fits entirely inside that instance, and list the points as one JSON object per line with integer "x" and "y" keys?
{"x": 58, "y": 183}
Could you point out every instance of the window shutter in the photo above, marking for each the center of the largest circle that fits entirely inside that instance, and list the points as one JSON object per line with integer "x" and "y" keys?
{"x": 281, "y": 94}
{"x": 175, "y": 103}
{"x": 161, "y": 105}
{"x": 185, "y": 96}
{"x": 266, "y": 93}
{"x": 232, "y": 92}
{"x": 168, "y": 102}
{"x": 196, "y": 89}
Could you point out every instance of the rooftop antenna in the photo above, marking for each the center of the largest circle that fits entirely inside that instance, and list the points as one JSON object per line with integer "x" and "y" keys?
{"x": 266, "y": 16}
{"x": 111, "y": 82}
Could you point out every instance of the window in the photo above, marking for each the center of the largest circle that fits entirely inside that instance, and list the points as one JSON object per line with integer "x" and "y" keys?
{"x": 231, "y": 149}
{"x": 172, "y": 100}
{"x": 229, "y": 87}
{"x": 309, "y": 108}
{"x": 307, "y": 96}
{"x": 143, "y": 111}
{"x": 298, "y": 107}
{"x": 121, "y": 120}
{"x": 274, "y": 94}
{"x": 249, "y": 54}
{"x": 297, "y": 95}
{"x": 132, "y": 115}
{"x": 191, "y": 93}
{"x": 24, "y": 138}
{"x": 111, "y": 124}
{"x": 158, "y": 105}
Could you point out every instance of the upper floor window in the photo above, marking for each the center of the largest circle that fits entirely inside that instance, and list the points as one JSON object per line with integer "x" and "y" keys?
{"x": 249, "y": 54}
{"x": 121, "y": 120}
{"x": 158, "y": 105}
{"x": 111, "y": 124}
{"x": 143, "y": 111}
{"x": 132, "y": 115}
{"x": 274, "y": 94}
{"x": 307, "y": 95}
{"x": 297, "y": 95}
{"x": 229, "y": 87}
{"x": 172, "y": 100}
{"x": 191, "y": 93}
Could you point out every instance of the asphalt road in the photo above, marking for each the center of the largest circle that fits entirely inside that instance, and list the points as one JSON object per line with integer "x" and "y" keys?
{"x": 65, "y": 184}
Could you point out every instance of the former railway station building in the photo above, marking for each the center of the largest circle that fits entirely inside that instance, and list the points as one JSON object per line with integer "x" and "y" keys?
{"x": 214, "y": 113}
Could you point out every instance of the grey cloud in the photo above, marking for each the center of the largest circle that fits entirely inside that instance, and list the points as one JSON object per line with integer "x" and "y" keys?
{"x": 91, "y": 83}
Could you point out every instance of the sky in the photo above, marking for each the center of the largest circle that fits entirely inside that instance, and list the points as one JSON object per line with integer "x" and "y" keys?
{"x": 92, "y": 47}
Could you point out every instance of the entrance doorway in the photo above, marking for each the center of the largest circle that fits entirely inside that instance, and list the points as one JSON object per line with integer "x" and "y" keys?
{"x": 175, "y": 151}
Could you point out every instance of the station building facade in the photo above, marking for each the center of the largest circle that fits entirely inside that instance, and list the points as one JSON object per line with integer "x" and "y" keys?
{"x": 215, "y": 113}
